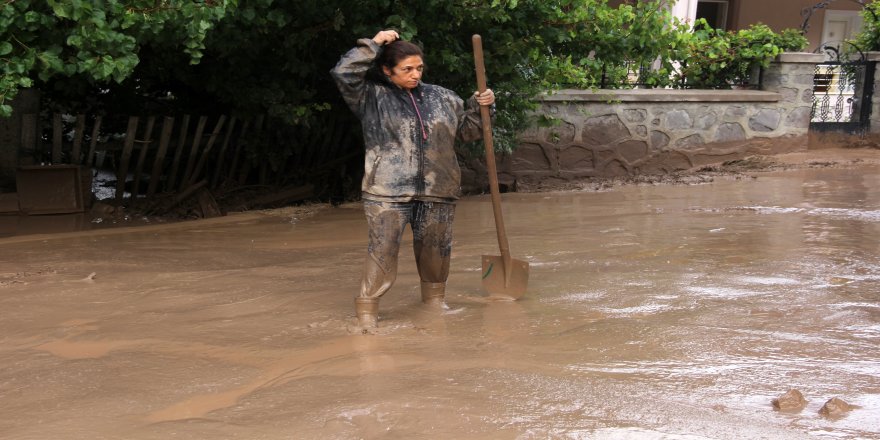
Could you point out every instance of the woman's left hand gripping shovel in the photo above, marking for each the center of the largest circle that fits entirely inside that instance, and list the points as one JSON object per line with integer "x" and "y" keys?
{"x": 503, "y": 276}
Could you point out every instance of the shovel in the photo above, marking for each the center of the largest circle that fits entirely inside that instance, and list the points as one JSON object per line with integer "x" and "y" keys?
{"x": 503, "y": 276}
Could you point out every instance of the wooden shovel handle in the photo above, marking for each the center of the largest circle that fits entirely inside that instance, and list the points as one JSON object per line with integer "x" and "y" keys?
{"x": 490, "y": 154}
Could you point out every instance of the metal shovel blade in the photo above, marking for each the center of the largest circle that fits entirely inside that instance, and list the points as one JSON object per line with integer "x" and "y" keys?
{"x": 505, "y": 281}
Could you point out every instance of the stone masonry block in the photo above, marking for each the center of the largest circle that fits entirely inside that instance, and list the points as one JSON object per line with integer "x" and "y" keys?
{"x": 693, "y": 140}
{"x": 633, "y": 150}
{"x": 734, "y": 112}
{"x": 799, "y": 118}
{"x": 678, "y": 119}
{"x": 789, "y": 94}
{"x": 562, "y": 133}
{"x": 604, "y": 130}
{"x": 659, "y": 140}
{"x": 807, "y": 96}
{"x": 575, "y": 158}
{"x": 532, "y": 157}
{"x": 730, "y": 131}
{"x": 706, "y": 121}
{"x": 635, "y": 115}
{"x": 765, "y": 120}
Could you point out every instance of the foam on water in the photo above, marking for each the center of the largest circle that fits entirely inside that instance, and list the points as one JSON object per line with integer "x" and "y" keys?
{"x": 721, "y": 292}
{"x": 767, "y": 281}
{"x": 867, "y": 215}
{"x": 646, "y": 309}
{"x": 575, "y": 297}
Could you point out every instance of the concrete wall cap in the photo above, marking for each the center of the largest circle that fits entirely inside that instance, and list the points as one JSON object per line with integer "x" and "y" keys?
{"x": 660, "y": 95}
{"x": 800, "y": 57}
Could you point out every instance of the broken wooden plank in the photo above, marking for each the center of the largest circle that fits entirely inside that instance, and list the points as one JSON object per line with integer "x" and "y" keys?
{"x": 93, "y": 142}
{"x": 204, "y": 156}
{"x": 238, "y": 149}
{"x": 207, "y": 204}
{"x": 245, "y": 165}
{"x": 142, "y": 157}
{"x": 175, "y": 166}
{"x": 29, "y": 137}
{"x": 121, "y": 173}
{"x": 57, "y": 132}
{"x": 164, "y": 139}
{"x": 194, "y": 151}
{"x": 218, "y": 169}
{"x": 78, "y": 139}
{"x": 185, "y": 194}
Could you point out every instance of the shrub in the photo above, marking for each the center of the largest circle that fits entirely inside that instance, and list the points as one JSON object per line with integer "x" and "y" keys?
{"x": 869, "y": 38}
{"x": 714, "y": 58}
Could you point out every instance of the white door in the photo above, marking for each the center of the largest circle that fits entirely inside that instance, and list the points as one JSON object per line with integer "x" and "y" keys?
{"x": 840, "y": 26}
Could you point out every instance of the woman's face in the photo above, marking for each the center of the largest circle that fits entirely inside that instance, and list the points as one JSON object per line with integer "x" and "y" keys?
{"x": 407, "y": 73}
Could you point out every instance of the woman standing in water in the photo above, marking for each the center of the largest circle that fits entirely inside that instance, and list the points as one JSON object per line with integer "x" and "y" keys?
{"x": 411, "y": 173}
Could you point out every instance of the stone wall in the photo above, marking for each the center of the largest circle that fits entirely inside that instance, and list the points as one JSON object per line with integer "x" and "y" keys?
{"x": 608, "y": 133}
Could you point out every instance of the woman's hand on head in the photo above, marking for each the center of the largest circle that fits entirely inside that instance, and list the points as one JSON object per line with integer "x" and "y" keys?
{"x": 485, "y": 98}
{"x": 385, "y": 37}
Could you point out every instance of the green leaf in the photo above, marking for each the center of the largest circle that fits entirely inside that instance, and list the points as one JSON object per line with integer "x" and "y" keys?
{"x": 5, "y": 48}
{"x": 60, "y": 8}
{"x": 32, "y": 17}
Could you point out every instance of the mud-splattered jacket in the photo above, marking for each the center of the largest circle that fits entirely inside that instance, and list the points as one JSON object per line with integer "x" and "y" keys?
{"x": 409, "y": 136}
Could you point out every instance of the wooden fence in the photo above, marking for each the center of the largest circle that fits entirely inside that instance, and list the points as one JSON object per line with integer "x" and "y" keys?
{"x": 185, "y": 154}
{"x": 150, "y": 151}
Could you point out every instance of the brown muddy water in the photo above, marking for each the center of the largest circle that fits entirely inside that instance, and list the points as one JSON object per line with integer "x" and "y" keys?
{"x": 654, "y": 312}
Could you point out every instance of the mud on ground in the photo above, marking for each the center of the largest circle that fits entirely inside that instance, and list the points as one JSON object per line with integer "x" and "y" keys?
{"x": 236, "y": 200}
{"x": 737, "y": 169}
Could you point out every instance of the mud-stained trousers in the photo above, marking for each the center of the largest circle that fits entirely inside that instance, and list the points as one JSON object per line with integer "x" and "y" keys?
{"x": 431, "y": 223}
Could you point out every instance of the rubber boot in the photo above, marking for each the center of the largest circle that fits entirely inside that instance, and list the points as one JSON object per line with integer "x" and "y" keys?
{"x": 367, "y": 310}
{"x": 434, "y": 294}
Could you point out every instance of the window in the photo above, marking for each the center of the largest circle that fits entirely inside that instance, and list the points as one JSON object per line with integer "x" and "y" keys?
{"x": 714, "y": 12}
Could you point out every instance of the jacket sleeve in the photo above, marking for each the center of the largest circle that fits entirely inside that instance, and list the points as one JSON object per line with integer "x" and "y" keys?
{"x": 350, "y": 73}
{"x": 470, "y": 127}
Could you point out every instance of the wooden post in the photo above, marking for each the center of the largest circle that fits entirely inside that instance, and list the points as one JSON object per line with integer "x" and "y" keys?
{"x": 175, "y": 166}
{"x": 245, "y": 166}
{"x": 264, "y": 173}
{"x": 238, "y": 148}
{"x": 204, "y": 157}
{"x": 29, "y": 135}
{"x": 96, "y": 131}
{"x": 78, "y": 140}
{"x": 218, "y": 169}
{"x": 142, "y": 157}
{"x": 57, "y": 128}
{"x": 194, "y": 151}
{"x": 130, "y": 133}
{"x": 164, "y": 139}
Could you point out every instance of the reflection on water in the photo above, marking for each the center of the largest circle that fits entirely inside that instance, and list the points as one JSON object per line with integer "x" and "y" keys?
{"x": 673, "y": 312}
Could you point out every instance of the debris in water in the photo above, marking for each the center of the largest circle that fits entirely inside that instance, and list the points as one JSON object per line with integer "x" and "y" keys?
{"x": 792, "y": 400}
{"x": 835, "y": 407}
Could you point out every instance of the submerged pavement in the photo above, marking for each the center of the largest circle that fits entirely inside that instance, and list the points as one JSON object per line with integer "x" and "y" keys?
{"x": 674, "y": 312}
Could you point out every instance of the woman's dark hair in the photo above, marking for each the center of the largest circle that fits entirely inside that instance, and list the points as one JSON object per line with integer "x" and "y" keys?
{"x": 394, "y": 52}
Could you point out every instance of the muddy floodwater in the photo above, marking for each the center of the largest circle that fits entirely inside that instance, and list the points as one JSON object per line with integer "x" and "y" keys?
{"x": 653, "y": 312}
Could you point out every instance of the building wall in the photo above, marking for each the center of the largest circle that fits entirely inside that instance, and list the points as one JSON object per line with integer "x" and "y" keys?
{"x": 778, "y": 14}
{"x": 787, "y": 14}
